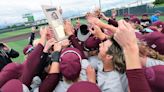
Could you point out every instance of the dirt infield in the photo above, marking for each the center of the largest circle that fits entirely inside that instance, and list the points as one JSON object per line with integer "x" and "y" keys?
{"x": 18, "y": 37}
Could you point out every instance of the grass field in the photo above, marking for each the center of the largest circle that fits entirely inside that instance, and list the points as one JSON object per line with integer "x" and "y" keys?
{"x": 19, "y": 45}
{"x": 15, "y": 33}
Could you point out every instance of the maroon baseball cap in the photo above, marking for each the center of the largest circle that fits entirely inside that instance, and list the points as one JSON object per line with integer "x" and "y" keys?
{"x": 70, "y": 63}
{"x": 13, "y": 85}
{"x": 158, "y": 24}
{"x": 92, "y": 43}
{"x": 155, "y": 41}
{"x": 12, "y": 70}
{"x": 145, "y": 14}
{"x": 135, "y": 20}
{"x": 84, "y": 86}
{"x": 132, "y": 16}
{"x": 27, "y": 49}
{"x": 155, "y": 77}
{"x": 159, "y": 45}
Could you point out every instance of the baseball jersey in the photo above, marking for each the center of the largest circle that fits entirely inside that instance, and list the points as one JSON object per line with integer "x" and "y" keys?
{"x": 111, "y": 81}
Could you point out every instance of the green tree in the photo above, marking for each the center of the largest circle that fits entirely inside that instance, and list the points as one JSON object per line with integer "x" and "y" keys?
{"x": 159, "y": 2}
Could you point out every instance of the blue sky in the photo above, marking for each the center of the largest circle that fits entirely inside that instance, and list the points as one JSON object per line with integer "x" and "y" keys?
{"x": 11, "y": 11}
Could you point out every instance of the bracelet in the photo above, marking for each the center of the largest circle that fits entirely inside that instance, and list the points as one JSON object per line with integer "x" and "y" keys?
{"x": 55, "y": 56}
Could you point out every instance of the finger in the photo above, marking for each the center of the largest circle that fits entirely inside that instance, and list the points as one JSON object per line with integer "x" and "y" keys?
{"x": 126, "y": 25}
{"x": 129, "y": 26}
{"x": 92, "y": 31}
{"x": 121, "y": 25}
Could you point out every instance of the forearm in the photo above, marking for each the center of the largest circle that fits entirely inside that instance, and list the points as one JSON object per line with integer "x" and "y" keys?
{"x": 131, "y": 53}
{"x": 77, "y": 45}
{"x": 137, "y": 81}
{"x": 32, "y": 37}
{"x": 103, "y": 36}
{"x": 42, "y": 64}
{"x": 50, "y": 83}
{"x": 31, "y": 65}
{"x": 106, "y": 18}
{"x": 52, "y": 79}
{"x": 107, "y": 26}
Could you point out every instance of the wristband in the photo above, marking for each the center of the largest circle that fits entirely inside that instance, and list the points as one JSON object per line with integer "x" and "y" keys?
{"x": 55, "y": 56}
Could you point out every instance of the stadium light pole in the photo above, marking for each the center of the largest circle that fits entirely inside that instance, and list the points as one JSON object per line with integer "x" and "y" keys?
{"x": 100, "y": 4}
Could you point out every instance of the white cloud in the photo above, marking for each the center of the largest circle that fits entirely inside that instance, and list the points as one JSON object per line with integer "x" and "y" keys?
{"x": 12, "y": 10}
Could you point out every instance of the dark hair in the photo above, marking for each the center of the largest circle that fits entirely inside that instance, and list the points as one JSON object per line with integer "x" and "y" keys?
{"x": 118, "y": 59}
{"x": 1, "y": 45}
{"x": 84, "y": 29}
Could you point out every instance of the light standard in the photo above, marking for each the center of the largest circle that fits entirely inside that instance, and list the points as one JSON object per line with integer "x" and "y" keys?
{"x": 100, "y": 4}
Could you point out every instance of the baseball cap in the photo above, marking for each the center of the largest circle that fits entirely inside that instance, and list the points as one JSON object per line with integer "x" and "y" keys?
{"x": 83, "y": 33}
{"x": 92, "y": 43}
{"x": 135, "y": 20}
{"x": 27, "y": 49}
{"x": 155, "y": 41}
{"x": 13, "y": 85}
{"x": 70, "y": 63}
{"x": 158, "y": 24}
{"x": 145, "y": 14}
{"x": 12, "y": 70}
{"x": 83, "y": 86}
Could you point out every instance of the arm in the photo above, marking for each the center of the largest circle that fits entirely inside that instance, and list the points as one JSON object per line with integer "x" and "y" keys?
{"x": 33, "y": 60}
{"x": 43, "y": 63}
{"x": 96, "y": 21}
{"x": 70, "y": 32}
{"x": 44, "y": 60}
{"x": 10, "y": 52}
{"x": 52, "y": 79}
{"x": 75, "y": 43}
{"x": 125, "y": 36}
{"x": 32, "y": 37}
{"x": 31, "y": 65}
{"x": 137, "y": 77}
{"x": 97, "y": 32}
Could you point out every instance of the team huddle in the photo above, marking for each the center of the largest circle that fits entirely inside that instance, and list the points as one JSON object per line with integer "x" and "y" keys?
{"x": 111, "y": 56}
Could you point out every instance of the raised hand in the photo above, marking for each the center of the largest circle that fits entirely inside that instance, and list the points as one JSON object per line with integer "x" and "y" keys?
{"x": 65, "y": 43}
{"x": 93, "y": 20}
{"x": 43, "y": 33}
{"x": 57, "y": 46}
{"x": 68, "y": 28}
{"x": 96, "y": 31}
{"x": 91, "y": 74}
{"x": 33, "y": 29}
{"x": 49, "y": 44}
{"x": 125, "y": 36}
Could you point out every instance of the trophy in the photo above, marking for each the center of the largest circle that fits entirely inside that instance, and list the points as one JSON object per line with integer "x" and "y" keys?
{"x": 55, "y": 21}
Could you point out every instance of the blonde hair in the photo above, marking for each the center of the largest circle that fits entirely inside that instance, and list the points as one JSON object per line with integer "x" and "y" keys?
{"x": 144, "y": 50}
